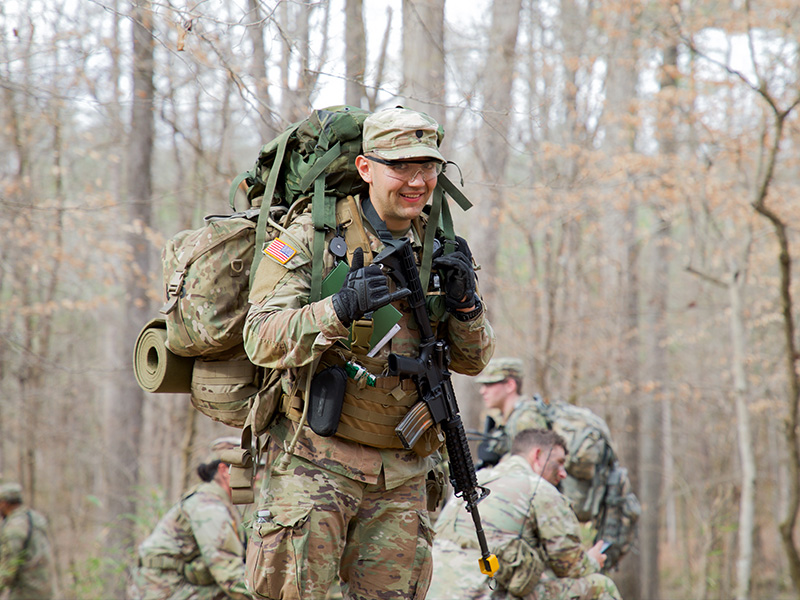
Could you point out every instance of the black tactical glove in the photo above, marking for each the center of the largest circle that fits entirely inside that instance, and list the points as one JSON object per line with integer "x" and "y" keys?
{"x": 364, "y": 290}
{"x": 458, "y": 277}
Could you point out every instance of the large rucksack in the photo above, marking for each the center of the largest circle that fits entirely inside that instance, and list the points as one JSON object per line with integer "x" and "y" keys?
{"x": 208, "y": 271}
{"x": 597, "y": 485}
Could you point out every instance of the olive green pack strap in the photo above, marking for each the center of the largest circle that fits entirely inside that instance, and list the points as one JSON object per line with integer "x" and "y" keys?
{"x": 323, "y": 217}
{"x": 456, "y": 194}
{"x": 321, "y": 163}
{"x": 323, "y": 208}
{"x": 269, "y": 192}
{"x": 235, "y": 186}
{"x": 430, "y": 234}
{"x": 441, "y": 217}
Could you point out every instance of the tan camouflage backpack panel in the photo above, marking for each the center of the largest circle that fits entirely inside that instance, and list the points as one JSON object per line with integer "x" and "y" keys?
{"x": 206, "y": 281}
{"x": 586, "y": 434}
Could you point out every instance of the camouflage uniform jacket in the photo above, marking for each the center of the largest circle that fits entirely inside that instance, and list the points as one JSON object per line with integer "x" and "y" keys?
{"x": 197, "y": 540}
{"x": 521, "y": 505}
{"x": 524, "y": 415}
{"x": 25, "y": 556}
{"x": 284, "y": 331}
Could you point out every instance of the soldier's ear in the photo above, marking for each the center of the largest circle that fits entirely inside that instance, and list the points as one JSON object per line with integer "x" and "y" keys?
{"x": 364, "y": 168}
{"x": 533, "y": 459}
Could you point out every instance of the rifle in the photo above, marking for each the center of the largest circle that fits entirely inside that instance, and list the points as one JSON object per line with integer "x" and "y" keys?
{"x": 437, "y": 404}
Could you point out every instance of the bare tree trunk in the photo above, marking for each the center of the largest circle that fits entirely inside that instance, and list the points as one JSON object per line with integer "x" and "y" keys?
{"x": 746, "y": 455}
{"x": 651, "y": 432}
{"x": 423, "y": 56}
{"x": 355, "y": 49}
{"x": 124, "y": 418}
{"x": 792, "y": 432}
{"x": 492, "y": 151}
{"x": 620, "y": 98}
{"x": 788, "y": 525}
{"x": 259, "y": 71}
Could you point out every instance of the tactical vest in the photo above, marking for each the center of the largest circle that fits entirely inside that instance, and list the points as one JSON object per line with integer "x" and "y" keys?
{"x": 369, "y": 413}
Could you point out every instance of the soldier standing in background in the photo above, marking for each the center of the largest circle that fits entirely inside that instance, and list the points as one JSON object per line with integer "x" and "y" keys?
{"x": 196, "y": 551}
{"x": 26, "y": 562}
{"x": 529, "y": 525}
{"x": 509, "y": 411}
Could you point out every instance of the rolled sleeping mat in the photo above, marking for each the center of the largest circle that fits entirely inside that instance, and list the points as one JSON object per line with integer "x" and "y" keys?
{"x": 158, "y": 370}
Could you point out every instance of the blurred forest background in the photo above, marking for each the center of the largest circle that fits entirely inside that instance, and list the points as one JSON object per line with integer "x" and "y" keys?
{"x": 635, "y": 170}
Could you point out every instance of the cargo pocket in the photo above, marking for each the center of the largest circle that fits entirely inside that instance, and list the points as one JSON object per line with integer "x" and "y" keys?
{"x": 276, "y": 556}
{"x": 423, "y": 561}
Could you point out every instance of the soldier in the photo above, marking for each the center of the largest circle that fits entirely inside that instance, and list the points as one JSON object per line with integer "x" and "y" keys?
{"x": 501, "y": 389}
{"x": 26, "y": 561}
{"x": 352, "y": 506}
{"x": 196, "y": 551}
{"x": 531, "y": 528}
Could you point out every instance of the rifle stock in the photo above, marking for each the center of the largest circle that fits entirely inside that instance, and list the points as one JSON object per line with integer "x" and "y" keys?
{"x": 438, "y": 405}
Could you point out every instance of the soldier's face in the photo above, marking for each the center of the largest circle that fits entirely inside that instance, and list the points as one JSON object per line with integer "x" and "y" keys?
{"x": 397, "y": 201}
{"x": 494, "y": 394}
{"x": 551, "y": 465}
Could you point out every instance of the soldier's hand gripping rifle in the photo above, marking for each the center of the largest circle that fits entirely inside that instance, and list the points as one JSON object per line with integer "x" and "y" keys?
{"x": 437, "y": 403}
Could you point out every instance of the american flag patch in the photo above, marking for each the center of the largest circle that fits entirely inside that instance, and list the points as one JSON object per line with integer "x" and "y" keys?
{"x": 280, "y": 251}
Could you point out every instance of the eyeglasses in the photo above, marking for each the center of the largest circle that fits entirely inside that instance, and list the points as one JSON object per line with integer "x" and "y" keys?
{"x": 408, "y": 170}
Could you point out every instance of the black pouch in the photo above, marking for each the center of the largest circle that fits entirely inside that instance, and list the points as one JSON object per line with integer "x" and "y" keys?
{"x": 325, "y": 403}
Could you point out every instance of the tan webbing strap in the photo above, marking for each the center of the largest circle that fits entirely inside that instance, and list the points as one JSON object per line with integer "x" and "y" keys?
{"x": 368, "y": 438}
{"x": 218, "y": 381}
{"x": 224, "y": 371}
{"x": 355, "y": 236}
{"x": 368, "y": 416}
{"x": 163, "y": 562}
{"x": 241, "y": 462}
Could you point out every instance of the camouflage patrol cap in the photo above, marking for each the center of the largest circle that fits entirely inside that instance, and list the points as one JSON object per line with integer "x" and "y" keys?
{"x": 219, "y": 445}
{"x": 401, "y": 133}
{"x": 500, "y": 369}
{"x": 10, "y": 492}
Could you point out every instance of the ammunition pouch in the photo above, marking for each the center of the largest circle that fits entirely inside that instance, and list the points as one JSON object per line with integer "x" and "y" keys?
{"x": 241, "y": 462}
{"x": 434, "y": 488}
{"x": 521, "y": 567}
{"x": 369, "y": 415}
{"x": 197, "y": 573}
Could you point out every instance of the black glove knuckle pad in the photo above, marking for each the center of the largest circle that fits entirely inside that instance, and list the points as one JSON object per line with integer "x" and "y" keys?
{"x": 458, "y": 277}
{"x": 365, "y": 289}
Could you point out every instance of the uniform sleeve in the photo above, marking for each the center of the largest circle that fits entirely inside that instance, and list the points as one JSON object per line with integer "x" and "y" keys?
{"x": 220, "y": 546}
{"x": 471, "y": 344}
{"x": 283, "y": 330}
{"x": 12, "y": 542}
{"x": 560, "y": 534}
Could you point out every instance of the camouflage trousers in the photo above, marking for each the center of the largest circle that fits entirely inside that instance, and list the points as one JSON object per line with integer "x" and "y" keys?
{"x": 591, "y": 587}
{"x": 316, "y": 527}
{"x": 167, "y": 584}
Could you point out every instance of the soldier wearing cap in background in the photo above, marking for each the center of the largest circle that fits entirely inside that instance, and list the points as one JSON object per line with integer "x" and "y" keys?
{"x": 509, "y": 412}
{"x": 26, "y": 561}
{"x": 196, "y": 550}
{"x": 247, "y": 511}
{"x": 351, "y": 507}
